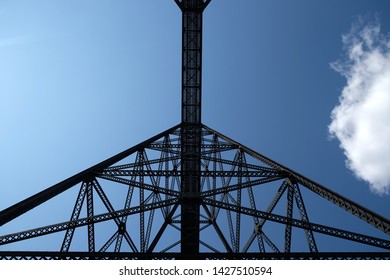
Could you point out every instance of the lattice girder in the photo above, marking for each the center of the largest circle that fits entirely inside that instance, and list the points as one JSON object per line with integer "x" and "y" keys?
{"x": 239, "y": 189}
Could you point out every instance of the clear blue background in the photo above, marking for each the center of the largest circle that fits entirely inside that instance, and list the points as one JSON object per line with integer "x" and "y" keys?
{"x": 83, "y": 80}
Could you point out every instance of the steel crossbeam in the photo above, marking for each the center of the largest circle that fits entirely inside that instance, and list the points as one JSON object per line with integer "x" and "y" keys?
{"x": 202, "y": 173}
{"x": 23, "y": 255}
{"x": 361, "y": 238}
{"x": 140, "y": 185}
{"x": 83, "y": 222}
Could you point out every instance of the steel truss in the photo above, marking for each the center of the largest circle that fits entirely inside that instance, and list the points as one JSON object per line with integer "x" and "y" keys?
{"x": 200, "y": 256}
{"x": 192, "y": 193}
{"x": 234, "y": 220}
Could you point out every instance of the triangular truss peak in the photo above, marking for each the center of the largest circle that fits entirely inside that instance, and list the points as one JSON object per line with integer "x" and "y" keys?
{"x": 190, "y": 193}
{"x": 130, "y": 206}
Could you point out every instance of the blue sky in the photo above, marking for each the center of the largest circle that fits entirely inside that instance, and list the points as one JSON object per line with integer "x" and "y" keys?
{"x": 83, "y": 80}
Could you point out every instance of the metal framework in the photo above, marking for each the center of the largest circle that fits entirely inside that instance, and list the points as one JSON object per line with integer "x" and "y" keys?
{"x": 190, "y": 192}
{"x": 191, "y": 123}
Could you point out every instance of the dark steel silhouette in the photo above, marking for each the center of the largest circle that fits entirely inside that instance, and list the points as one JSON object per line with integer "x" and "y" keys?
{"x": 193, "y": 193}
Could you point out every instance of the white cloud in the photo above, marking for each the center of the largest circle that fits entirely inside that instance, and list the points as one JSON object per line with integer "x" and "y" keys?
{"x": 361, "y": 121}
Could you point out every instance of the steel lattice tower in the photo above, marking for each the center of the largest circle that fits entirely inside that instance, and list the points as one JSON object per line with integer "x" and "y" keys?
{"x": 192, "y": 193}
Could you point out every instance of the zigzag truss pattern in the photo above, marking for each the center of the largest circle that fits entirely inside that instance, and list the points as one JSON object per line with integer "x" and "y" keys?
{"x": 129, "y": 207}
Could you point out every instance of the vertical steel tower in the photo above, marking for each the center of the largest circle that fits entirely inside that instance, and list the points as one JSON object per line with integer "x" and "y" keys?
{"x": 191, "y": 122}
{"x": 192, "y": 193}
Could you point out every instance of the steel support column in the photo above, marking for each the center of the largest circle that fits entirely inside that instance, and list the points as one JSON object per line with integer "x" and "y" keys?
{"x": 191, "y": 122}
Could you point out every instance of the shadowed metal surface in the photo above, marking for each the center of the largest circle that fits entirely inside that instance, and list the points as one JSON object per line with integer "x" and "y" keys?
{"x": 191, "y": 192}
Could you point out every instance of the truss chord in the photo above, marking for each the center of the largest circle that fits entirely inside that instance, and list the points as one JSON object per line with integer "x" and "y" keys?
{"x": 23, "y": 255}
{"x": 135, "y": 164}
{"x": 266, "y": 170}
{"x": 202, "y": 173}
{"x": 5, "y": 239}
{"x": 228, "y": 189}
{"x": 143, "y": 186}
{"x": 370, "y": 217}
{"x": 39, "y": 198}
{"x": 373, "y": 241}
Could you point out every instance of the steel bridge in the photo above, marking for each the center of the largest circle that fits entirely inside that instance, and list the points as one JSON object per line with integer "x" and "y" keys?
{"x": 191, "y": 192}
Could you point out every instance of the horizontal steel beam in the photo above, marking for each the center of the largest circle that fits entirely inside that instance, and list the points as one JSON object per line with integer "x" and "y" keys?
{"x": 356, "y": 237}
{"x": 138, "y": 164}
{"x": 26, "y": 255}
{"x": 239, "y": 186}
{"x": 143, "y": 186}
{"x": 203, "y": 173}
{"x": 10, "y": 238}
{"x": 203, "y": 146}
{"x": 242, "y": 164}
